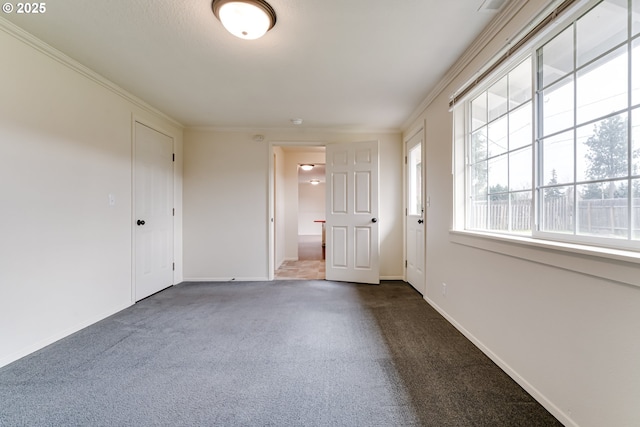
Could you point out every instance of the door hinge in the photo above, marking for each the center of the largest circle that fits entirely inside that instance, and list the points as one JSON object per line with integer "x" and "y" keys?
{"x": 406, "y": 263}
{"x": 173, "y": 267}
{"x": 174, "y": 157}
{"x": 405, "y": 160}
{"x": 174, "y": 212}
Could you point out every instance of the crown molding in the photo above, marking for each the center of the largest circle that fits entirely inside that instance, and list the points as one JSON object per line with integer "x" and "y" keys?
{"x": 296, "y": 130}
{"x": 53, "y": 53}
{"x": 509, "y": 11}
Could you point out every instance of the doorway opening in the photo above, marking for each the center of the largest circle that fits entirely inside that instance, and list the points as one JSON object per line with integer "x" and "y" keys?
{"x": 298, "y": 212}
{"x": 352, "y": 227}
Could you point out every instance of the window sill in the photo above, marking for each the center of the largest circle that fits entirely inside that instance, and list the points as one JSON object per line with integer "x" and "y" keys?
{"x": 610, "y": 264}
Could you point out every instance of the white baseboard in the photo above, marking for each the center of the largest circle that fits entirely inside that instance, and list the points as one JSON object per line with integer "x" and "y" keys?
{"x": 55, "y": 337}
{"x": 534, "y": 392}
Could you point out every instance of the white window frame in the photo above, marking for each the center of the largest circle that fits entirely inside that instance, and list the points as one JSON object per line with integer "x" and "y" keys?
{"x": 510, "y": 66}
{"x": 544, "y": 247}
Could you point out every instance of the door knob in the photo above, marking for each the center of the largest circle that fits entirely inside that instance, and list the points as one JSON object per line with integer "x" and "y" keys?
{"x": 420, "y": 221}
{"x": 140, "y": 222}
{"x": 374, "y": 219}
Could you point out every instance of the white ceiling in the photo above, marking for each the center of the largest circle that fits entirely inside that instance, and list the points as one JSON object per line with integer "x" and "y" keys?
{"x": 337, "y": 64}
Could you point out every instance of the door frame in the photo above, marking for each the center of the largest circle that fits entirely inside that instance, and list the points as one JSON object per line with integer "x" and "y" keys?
{"x": 421, "y": 129}
{"x": 160, "y": 129}
{"x": 271, "y": 257}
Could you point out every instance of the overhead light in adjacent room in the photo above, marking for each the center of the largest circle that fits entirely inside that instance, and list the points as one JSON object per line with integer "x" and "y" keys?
{"x": 247, "y": 19}
{"x": 315, "y": 181}
{"x": 296, "y": 122}
{"x": 306, "y": 167}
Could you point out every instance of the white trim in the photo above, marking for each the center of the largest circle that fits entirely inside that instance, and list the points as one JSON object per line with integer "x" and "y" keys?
{"x": 534, "y": 392}
{"x": 152, "y": 124}
{"x": 63, "y": 334}
{"x": 266, "y": 129}
{"x": 588, "y": 260}
{"x": 417, "y": 129}
{"x": 53, "y": 53}
{"x": 297, "y": 143}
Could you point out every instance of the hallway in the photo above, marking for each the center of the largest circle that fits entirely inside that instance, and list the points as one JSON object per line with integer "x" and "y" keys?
{"x": 309, "y": 266}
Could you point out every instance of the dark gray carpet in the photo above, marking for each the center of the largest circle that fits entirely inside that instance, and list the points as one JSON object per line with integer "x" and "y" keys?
{"x": 283, "y": 353}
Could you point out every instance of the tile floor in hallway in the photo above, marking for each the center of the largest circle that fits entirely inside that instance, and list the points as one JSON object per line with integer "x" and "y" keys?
{"x": 309, "y": 266}
{"x": 302, "y": 270}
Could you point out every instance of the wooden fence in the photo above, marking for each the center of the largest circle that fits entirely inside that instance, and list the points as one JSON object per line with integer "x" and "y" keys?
{"x": 595, "y": 217}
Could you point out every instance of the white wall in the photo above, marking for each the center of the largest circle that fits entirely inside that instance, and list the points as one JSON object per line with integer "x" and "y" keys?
{"x": 226, "y": 201}
{"x": 311, "y": 201}
{"x": 65, "y": 254}
{"x": 226, "y": 182}
{"x": 571, "y": 339}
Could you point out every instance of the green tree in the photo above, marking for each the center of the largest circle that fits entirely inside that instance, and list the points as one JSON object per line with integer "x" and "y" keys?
{"x": 479, "y": 161}
{"x": 607, "y": 157}
{"x": 551, "y": 192}
{"x": 499, "y": 193}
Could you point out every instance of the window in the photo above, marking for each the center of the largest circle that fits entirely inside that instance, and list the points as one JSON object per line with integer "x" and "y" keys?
{"x": 414, "y": 171}
{"x": 500, "y": 154}
{"x": 552, "y": 143}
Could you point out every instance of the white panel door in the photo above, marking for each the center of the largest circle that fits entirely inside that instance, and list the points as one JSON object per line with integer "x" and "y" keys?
{"x": 352, "y": 212}
{"x": 415, "y": 237}
{"x": 153, "y": 211}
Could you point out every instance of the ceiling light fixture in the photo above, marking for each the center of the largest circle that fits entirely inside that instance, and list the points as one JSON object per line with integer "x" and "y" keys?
{"x": 247, "y": 19}
{"x": 315, "y": 181}
{"x": 306, "y": 167}
{"x": 296, "y": 122}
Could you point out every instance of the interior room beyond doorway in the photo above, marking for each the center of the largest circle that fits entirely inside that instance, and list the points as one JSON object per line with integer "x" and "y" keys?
{"x": 309, "y": 266}
{"x": 302, "y": 194}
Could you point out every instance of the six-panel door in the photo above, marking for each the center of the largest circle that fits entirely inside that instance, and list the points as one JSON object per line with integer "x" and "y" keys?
{"x": 352, "y": 212}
